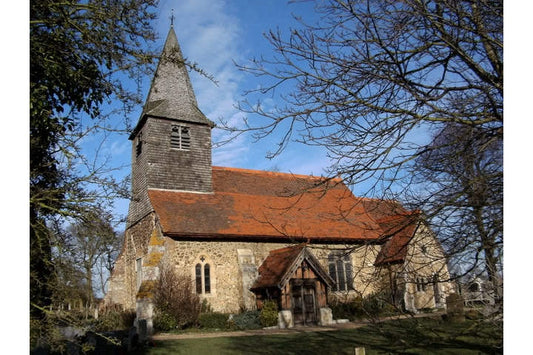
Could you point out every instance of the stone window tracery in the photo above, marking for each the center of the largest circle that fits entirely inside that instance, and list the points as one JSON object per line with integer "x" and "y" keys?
{"x": 340, "y": 270}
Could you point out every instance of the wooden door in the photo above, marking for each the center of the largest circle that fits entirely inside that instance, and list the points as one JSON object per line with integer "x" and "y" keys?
{"x": 304, "y": 304}
{"x": 309, "y": 305}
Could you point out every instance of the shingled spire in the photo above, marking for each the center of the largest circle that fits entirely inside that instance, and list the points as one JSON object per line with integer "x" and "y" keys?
{"x": 171, "y": 95}
{"x": 171, "y": 144}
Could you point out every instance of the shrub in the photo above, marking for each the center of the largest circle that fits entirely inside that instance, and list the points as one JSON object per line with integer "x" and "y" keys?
{"x": 213, "y": 320}
{"x": 174, "y": 297}
{"x": 247, "y": 320}
{"x": 114, "y": 320}
{"x": 370, "y": 306}
{"x": 378, "y": 304}
{"x": 348, "y": 310}
{"x": 269, "y": 314}
{"x": 164, "y": 321}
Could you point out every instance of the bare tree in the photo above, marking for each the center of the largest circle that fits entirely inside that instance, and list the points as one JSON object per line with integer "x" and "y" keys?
{"x": 80, "y": 253}
{"x": 90, "y": 240}
{"x": 464, "y": 170}
{"x": 372, "y": 81}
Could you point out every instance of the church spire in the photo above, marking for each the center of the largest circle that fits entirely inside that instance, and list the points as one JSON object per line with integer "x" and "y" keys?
{"x": 171, "y": 95}
{"x": 171, "y": 144}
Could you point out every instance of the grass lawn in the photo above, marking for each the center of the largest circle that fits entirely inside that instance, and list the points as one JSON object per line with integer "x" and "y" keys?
{"x": 410, "y": 336}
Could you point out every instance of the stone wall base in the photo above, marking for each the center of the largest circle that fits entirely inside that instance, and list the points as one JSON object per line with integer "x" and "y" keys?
{"x": 285, "y": 319}
{"x": 144, "y": 322}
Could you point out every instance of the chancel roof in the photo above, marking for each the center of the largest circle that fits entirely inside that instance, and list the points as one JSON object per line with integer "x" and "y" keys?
{"x": 400, "y": 229}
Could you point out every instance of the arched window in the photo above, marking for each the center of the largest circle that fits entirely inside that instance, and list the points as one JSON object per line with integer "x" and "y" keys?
{"x": 198, "y": 272}
{"x": 207, "y": 280}
{"x": 421, "y": 284}
{"x": 340, "y": 270}
{"x": 202, "y": 273}
{"x": 139, "y": 272}
{"x": 474, "y": 287}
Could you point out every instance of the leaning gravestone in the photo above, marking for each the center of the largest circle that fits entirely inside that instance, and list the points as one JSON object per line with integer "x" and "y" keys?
{"x": 455, "y": 308}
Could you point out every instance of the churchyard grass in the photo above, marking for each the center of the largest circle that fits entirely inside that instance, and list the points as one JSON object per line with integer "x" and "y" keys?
{"x": 409, "y": 336}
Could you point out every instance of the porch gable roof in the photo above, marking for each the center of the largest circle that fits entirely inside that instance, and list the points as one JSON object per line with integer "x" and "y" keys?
{"x": 280, "y": 264}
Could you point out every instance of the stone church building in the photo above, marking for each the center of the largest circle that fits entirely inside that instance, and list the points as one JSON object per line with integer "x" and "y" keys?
{"x": 244, "y": 236}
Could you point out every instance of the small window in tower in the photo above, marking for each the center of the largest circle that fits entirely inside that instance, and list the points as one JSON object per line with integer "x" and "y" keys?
{"x": 180, "y": 138}
{"x": 139, "y": 146}
{"x": 185, "y": 138}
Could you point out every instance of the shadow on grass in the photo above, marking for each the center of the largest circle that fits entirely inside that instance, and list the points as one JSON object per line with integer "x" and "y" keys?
{"x": 397, "y": 337}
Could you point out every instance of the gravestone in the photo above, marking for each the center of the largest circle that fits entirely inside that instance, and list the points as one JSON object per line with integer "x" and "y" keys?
{"x": 455, "y": 308}
{"x": 326, "y": 316}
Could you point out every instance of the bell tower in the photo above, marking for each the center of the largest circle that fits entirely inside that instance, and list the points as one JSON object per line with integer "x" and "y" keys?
{"x": 171, "y": 144}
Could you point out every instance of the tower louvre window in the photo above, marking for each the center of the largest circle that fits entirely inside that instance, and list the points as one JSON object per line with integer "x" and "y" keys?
{"x": 180, "y": 138}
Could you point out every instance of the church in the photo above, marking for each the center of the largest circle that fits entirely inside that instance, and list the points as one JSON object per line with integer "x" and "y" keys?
{"x": 246, "y": 236}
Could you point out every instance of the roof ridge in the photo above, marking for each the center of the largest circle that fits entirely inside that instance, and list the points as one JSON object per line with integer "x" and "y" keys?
{"x": 266, "y": 172}
{"x": 232, "y": 193}
{"x": 398, "y": 216}
{"x": 289, "y": 247}
{"x": 377, "y": 199}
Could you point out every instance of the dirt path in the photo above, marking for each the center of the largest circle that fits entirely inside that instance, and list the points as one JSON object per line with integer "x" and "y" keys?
{"x": 295, "y": 330}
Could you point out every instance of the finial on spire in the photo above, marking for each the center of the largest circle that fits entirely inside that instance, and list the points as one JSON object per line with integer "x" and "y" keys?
{"x": 172, "y": 18}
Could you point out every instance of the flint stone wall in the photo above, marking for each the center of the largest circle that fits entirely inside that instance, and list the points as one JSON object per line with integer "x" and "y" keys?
{"x": 234, "y": 268}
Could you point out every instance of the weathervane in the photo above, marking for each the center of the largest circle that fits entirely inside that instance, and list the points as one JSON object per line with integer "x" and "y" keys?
{"x": 172, "y": 18}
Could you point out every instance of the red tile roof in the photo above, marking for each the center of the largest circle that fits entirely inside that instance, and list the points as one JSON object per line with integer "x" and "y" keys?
{"x": 259, "y": 204}
{"x": 400, "y": 229}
